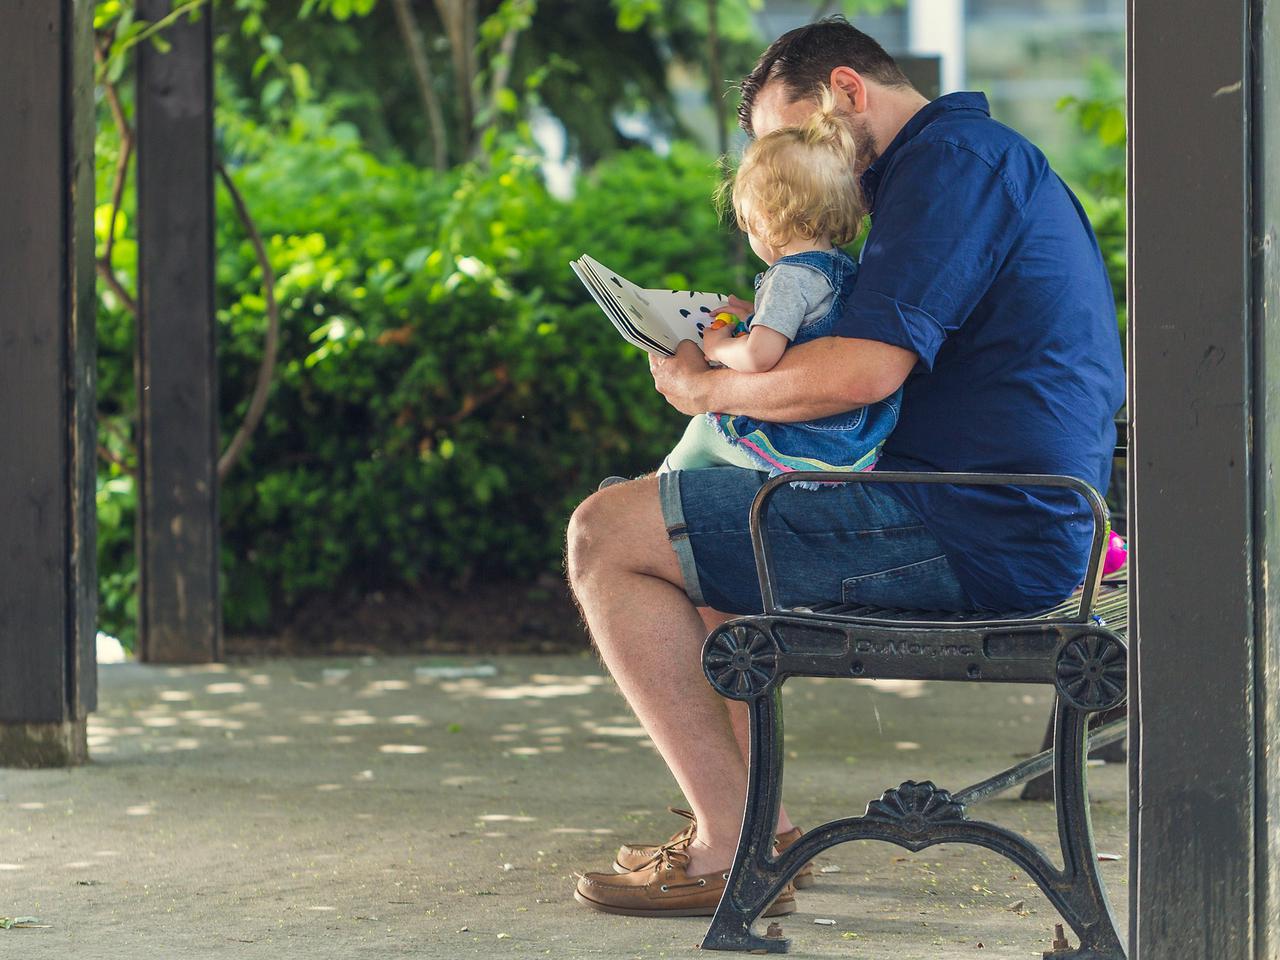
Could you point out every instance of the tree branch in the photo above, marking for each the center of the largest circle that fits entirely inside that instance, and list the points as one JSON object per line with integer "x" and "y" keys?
{"x": 117, "y": 193}
{"x": 155, "y": 27}
{"x": 716, "y": 79}
{"x": 113, "y": 96}
{"x": 472, "y": 402}
{"x": 105, "y": 426}
{"x": 470, "y": 37}
{"x": 124, "y": 296}
{"x": 505, "y": 59}
{"x": 412, "y": 36}
{"x": 104, "y": 453}
{"x": 458, "y": 18}
{"x": 267, "y": 367}
{"x": 104, "y": 265}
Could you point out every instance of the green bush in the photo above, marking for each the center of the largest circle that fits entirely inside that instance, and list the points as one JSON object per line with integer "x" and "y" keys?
{"x": 446, "y": 390}
{"x": 1097, "y": 171}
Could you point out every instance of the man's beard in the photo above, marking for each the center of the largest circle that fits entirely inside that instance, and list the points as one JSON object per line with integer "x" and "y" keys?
{"x": 864, "y": 139}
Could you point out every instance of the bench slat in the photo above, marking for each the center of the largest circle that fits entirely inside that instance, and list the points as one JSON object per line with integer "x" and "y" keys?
{"x": 1112, "y": 606}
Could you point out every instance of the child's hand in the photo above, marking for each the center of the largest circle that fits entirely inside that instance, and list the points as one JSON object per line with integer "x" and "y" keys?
{"x": 713, "y": 338}
{"x": 737, "y": 306}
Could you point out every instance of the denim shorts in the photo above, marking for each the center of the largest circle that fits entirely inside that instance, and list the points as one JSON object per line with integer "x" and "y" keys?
{"x": 851, "y": 543}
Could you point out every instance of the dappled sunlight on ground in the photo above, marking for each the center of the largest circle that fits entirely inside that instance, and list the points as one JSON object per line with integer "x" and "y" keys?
{"x": 419, "y": 807}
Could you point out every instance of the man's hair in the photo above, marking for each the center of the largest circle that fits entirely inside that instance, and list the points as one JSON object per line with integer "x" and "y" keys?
{"x": 802, "y": 60}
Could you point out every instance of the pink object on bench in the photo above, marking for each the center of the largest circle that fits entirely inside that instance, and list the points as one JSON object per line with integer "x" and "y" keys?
{"x": 1117, "y": 554}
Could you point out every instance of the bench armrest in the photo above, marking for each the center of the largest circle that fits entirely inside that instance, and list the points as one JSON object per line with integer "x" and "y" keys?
{"x": 1101, "y": 516}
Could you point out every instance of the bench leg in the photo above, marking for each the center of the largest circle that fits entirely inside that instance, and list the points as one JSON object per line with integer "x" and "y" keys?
{"x": 1082, "y": 898}
{"x": 915, "y": 816}
{"x": 1041, "y": 787}
{"x": 755, "y": 879}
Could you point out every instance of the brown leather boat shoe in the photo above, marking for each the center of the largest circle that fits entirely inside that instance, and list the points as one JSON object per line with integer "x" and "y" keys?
{"x": 632, "y": 856}
{"x": 804, "y": 879}
{"x": 663, "y": 888}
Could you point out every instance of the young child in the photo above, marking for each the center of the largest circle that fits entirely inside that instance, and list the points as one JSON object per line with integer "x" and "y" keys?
{"x": 796, "y": 196}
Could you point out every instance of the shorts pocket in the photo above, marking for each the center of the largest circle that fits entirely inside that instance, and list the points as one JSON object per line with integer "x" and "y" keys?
{"x": 839, "y": 422}
{"x": 924, "y": 585}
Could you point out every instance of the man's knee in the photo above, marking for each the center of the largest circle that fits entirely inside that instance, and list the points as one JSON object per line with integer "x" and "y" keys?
{"x": 613, "y": 531}
{"x": 587, "y": 533}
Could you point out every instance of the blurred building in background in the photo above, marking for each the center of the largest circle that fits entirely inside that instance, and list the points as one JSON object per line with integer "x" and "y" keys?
{"x": 1024, "y": 54}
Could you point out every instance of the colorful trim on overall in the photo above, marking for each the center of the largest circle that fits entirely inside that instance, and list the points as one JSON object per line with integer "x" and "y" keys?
{"x": 759, "y": 448}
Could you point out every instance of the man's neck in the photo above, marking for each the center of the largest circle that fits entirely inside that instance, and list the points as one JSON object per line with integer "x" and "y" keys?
{"x": 897, "y": 107}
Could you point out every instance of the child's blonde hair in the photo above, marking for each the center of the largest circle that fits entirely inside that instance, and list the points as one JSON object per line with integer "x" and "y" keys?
{"x": 798, "y": 183}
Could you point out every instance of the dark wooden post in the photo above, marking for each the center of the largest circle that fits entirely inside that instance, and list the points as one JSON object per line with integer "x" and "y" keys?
{"x": 1265, "y": 249}
{"x": 48, "y": 591}
{"x": 178, "y": 606}
{"x": 1204, "y": 402}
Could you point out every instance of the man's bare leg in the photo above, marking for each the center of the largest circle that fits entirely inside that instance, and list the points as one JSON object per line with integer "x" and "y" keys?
{"x": 738, "y": 716}
{"x": 627, "y": 580}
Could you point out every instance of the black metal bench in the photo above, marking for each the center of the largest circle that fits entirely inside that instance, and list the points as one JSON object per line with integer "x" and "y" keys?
{"x": 1079, "y": 648}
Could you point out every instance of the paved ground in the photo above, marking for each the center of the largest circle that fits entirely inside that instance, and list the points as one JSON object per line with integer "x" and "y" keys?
{"x": 376, "y": 808}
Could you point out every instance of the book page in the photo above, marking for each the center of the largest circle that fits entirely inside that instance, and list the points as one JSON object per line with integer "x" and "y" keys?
{"x": 612, "y": 309}
{"x": 662, "y": 317}
{"x": 684, "y": 312}
{"x": 606, "y": 294}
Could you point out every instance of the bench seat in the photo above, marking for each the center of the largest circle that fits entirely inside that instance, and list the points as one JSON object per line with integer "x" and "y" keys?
{"x": 1111, "y": 605}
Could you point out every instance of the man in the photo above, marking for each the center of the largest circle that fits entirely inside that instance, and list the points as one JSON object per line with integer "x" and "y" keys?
{"x": 982, "y": 292}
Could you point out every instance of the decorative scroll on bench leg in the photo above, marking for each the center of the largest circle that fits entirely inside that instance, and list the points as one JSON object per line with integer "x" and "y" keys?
{"x": 912, "y": 815}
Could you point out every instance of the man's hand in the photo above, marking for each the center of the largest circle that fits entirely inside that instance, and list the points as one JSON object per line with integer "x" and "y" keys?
{"x": 681, "y": 378}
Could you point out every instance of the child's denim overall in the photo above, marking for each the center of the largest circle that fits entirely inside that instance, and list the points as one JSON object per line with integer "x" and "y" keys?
{"x": 848, "y": 441}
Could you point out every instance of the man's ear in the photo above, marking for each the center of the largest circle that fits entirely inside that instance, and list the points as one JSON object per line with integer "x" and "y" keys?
{"x": 849, "y": 85}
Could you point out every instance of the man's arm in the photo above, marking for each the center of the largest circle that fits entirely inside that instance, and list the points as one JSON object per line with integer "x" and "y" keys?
{"x": 895, "y": 317}
{"x": 815, "y": 379}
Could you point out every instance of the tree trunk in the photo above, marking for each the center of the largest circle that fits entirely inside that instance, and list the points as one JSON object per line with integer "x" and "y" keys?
{"x": 417, "y": 51}
{"x": 459, "y": 19}
{"x": 715, "y": 78}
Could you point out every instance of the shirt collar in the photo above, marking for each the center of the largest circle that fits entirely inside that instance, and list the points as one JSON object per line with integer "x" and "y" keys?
{"x": 923, "y": 117}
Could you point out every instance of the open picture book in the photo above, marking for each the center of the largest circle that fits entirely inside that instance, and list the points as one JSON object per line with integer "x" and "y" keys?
{"x": 654, "y": 320}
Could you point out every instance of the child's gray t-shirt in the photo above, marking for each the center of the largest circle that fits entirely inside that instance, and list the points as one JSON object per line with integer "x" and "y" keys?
{"x": 788, "y": 295}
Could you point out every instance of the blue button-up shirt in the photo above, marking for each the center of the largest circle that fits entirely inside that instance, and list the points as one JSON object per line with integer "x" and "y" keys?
{"x": 982, "y": 263}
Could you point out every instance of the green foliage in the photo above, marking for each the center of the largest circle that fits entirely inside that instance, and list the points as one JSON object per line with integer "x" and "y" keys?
{"x": 1099, "y": 171}
{"x": 571, "y": 61}
{"x": 446, "y": 390}
{"x": 737, "y": 17}
{"x": 116, "y": 18}
{"x": 340, "y": 10}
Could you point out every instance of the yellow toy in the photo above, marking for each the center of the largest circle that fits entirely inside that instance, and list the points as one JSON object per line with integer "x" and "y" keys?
{"x": 726, "y": 319}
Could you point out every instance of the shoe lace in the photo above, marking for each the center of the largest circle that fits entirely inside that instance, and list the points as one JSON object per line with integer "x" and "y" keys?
{"x": 685, "y": 836}
{"x": 669, "y": 856}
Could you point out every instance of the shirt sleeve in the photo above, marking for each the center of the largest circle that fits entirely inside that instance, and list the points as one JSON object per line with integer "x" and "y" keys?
{"x": 786, "y": 295}
{"x": 938, "y": 237}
